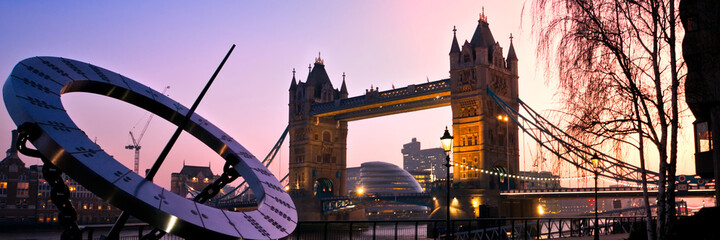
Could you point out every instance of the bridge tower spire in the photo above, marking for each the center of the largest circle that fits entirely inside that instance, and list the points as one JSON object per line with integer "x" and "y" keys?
{"x": 482, "y": 139}
{"x": 454, "y": 49}
{"x": 317, "y": 144}
{"x": 343, "y": 88}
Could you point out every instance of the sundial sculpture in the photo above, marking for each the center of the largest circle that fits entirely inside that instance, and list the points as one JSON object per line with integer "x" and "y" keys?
{"x": 32, "y": 96}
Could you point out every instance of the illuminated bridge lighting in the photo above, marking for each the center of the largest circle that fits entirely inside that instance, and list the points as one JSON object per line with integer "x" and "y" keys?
{"x": 530, "y": 178}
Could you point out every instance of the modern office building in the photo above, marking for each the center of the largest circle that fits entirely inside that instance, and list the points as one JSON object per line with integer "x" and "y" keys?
{"x": 352, "y": 180}
{"x": 416, "y": 160}
{"x": 424, "y": 178}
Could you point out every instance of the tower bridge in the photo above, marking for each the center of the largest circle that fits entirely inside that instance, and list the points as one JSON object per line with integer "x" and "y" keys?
{"x": 483, "y": 93}
{"x": 319, "y": 114}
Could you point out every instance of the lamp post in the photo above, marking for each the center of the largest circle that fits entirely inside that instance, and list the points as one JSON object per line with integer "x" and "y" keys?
{"x": 595, "y": 161}
{"x": 447, "y": 142}
{"x": 507, "y": 145}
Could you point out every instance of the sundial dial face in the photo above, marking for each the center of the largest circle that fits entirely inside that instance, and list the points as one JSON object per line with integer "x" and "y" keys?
{"x": 32, "y": 95}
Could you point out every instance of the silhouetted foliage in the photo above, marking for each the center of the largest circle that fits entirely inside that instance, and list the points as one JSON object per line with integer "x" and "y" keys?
{"x": 618, "y": 75}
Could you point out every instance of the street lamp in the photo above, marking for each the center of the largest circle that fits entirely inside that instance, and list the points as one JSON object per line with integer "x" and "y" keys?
{"x": 507, "y": 145}
{"x": 595, "y": 161}
{"x": 447, "y": 142}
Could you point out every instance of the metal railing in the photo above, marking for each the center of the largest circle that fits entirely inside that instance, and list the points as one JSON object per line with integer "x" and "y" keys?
{"x": 486, "y": 228}
{"x": 131, "y": 231}
{"x": 481, "y": 228}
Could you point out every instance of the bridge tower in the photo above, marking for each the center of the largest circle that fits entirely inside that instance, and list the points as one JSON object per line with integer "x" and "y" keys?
{"x": 484, "y": 137}
{"x": 317, "y": 144}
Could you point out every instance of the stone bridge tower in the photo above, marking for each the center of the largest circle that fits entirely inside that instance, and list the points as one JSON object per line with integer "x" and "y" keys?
{"x": 484, "y": 138}
{"x": 317, "y": 144}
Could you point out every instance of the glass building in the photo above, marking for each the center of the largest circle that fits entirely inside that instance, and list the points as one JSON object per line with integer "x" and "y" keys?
{"x": 380, "y": 178}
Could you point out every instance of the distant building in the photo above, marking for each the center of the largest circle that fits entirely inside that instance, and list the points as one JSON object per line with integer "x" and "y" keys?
{"x": 416, "y": 160}
{"x": 25, "y": 196}
{"x": 534, "y": 184}
{"x": 352, "y": 180}
{"x": 191, "y": 180}
{"x": 424, "y": 178}
{"x": 385, "y": 178}
{"x": 18, "y": 189}
{"x": 90, "y": 208}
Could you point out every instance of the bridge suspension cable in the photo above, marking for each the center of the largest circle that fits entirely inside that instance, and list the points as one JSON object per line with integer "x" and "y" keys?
{"x": 541, "y": 179}
{"x": 568, "y": 148}
{"x": 191, "y": 190}
{"x": 226, "y": 200}
{"x": 267, "y": 161}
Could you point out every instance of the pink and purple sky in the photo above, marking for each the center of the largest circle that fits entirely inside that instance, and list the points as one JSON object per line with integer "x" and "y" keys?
{"x": 379, "y": 43}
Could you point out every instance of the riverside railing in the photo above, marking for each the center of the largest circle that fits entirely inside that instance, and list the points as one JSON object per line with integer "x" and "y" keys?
{"x": 485, "y": 228}
{"x": 131, "y": 231}
{"x": 481, "y": 228}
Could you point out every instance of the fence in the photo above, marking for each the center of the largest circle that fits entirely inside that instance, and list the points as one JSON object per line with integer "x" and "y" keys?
{"x": 481, "y": 228}
{"x": 487, "y": 228}
{"x": 131, "y": 231}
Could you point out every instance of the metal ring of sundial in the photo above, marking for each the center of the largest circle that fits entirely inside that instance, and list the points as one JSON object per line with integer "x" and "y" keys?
{"x": 32, "y": 94}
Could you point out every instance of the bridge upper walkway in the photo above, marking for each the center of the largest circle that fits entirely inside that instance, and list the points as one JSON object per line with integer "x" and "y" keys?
{"x": 374, "y": 103}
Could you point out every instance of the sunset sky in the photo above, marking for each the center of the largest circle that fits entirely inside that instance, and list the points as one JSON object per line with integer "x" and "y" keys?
{"x": 378, "y": 43}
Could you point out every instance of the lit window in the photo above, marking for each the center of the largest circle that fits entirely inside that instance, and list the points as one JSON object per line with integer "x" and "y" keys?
{"x": 3, "y": 188}
{"x": 703, "y": 137}
{"x": 22, "y": 188}
{"x": 206, "y": 180}
{"x": 194, "y": 179}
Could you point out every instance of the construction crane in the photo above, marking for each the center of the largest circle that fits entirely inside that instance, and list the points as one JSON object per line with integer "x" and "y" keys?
{"x": 136, "y": 142}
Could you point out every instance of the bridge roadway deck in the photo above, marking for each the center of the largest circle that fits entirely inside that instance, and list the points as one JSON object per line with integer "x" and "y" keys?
{"x": 609, "y": 192}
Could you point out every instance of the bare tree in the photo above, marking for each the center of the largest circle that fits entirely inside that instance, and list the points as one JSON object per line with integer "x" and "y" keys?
{"x": 618, "y": 77}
